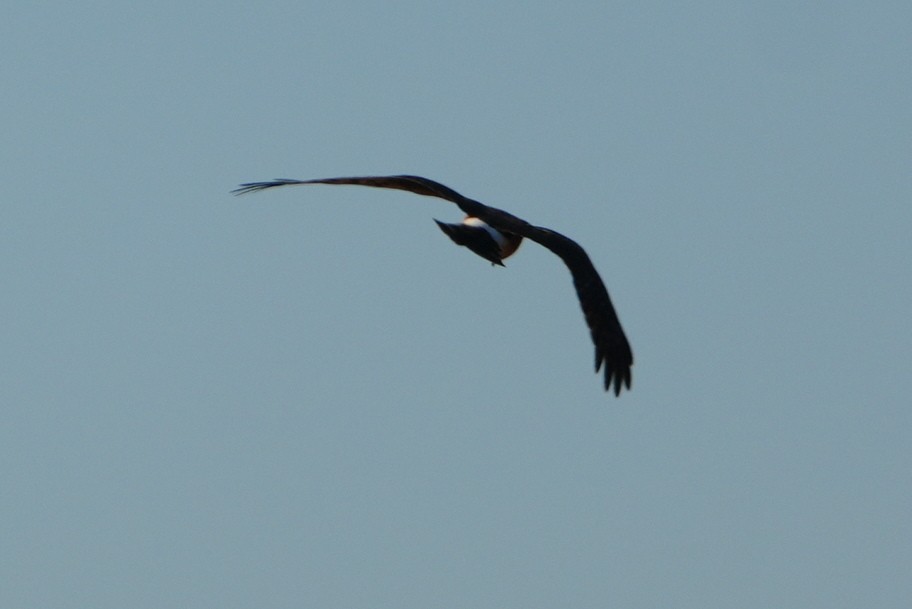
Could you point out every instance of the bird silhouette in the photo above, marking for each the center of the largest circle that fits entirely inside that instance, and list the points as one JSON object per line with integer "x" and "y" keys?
{"x": 495, "y": 235}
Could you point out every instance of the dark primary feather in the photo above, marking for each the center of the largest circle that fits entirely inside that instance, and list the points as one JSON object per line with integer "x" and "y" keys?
{"x": 612, "y": 351}
{"x": 611, "y": 347}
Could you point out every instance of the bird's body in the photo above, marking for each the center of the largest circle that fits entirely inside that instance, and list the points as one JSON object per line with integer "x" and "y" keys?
{"x": 495, "y": 235}
{"x": 482, "y": 238}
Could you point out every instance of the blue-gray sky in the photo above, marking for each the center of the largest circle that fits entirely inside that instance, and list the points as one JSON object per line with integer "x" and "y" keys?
{"x": 311, "y": 398}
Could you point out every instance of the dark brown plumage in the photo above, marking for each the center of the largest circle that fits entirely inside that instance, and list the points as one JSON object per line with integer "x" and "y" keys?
{"x": 612, "y": 351}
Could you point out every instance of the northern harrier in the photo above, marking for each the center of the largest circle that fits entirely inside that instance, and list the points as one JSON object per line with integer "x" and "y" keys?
{"x": 494, "y": 235}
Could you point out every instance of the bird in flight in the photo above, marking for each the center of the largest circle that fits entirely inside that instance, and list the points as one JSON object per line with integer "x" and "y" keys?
{"x": 494, "y": 235}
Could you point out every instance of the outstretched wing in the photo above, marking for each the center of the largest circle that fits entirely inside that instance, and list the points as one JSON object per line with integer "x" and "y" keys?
{"x": 612, "y": 351}
{"x": 415, "y": 184}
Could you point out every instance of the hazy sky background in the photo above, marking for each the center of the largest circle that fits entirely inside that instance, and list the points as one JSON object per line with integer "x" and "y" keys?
{"x": 311, "y": 398}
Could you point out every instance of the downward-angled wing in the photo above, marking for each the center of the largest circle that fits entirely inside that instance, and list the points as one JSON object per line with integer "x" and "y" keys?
{"x": 612, "y": 351}
{"x": 611, "y": 347}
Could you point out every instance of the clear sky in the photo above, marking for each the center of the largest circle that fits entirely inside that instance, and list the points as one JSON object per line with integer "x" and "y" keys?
{"x": 311, "y": 398}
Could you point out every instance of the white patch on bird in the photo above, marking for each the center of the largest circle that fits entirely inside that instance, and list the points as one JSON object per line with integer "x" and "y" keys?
{"x": 507, "y": 245}
{"x": 496, "y": 234}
